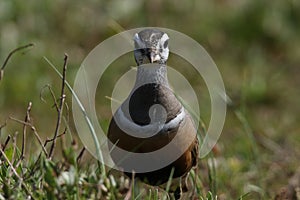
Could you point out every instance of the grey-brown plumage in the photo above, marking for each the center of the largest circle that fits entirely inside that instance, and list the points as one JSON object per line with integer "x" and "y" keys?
{"x": 151, "y": 46}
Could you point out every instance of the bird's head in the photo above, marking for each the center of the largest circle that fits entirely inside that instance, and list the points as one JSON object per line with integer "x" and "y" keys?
{"x": 151, "y": 46}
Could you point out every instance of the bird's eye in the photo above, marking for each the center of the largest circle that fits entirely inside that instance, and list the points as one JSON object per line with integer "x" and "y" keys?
{"x": 143, "y": 51}
{"x": 166, "y": 43}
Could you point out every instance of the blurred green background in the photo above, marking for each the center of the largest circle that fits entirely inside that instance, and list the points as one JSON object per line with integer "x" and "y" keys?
{"x": 255, "y": 44}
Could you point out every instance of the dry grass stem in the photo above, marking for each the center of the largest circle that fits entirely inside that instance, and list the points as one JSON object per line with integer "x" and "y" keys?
{"x": 34, "y": 131}
{"x": 9, "y": 56}
{"x": 61, "y": 106}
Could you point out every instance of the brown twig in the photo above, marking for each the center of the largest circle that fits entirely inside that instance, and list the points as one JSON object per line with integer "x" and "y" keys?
{"x": 5, "y": 144}
{"x": 61, "y": 106}
{"x": 27, "y": 119}
{"x": 80, "y": 155}
{"x": 57, "y": 108}
{"x": 51, "y": 140}
{"x": 34, "y": 131}
{"x": 14, "y": 143}
{"x": 52, "y": 95}
{"x": 9, "y": 56}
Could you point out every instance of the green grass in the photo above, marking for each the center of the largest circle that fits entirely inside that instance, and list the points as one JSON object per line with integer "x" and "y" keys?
{"x": 42, "y": 176}
{"x": 66, "y": 176}
{"x": 73, "y": 174}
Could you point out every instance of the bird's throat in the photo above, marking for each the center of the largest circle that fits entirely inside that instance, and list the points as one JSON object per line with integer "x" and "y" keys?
{"x": 151, "y": 74}
{"x": 151, "y": 87}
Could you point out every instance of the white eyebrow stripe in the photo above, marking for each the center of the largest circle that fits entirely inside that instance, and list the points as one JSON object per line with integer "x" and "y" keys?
{"x": 138, "y": 40}
{"x": 129, "y": 126}
{"x": 136, "y": 37}
{"x": 164, "y": 37}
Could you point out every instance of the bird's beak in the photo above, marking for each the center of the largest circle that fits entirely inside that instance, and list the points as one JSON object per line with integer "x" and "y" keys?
{"x": 154, "y": 57}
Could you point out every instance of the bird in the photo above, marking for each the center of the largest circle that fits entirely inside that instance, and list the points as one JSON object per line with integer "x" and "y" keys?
{"x": 138, "y": 111}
